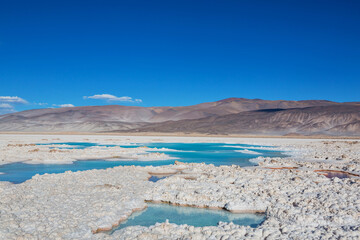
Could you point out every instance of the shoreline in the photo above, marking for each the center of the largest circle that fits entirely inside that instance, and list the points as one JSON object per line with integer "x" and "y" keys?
{"x": 180, "y": 134}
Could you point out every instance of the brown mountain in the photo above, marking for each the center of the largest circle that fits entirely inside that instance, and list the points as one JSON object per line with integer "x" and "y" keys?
{"x": 342, "y": 119}
{"x": 126, "y": 118}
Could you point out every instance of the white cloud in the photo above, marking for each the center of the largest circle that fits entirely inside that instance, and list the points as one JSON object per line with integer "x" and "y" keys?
{"x": 40, "y": 104}
{"x": 6, "y": 108}
{"x": 8, "y": 99}
{"x": 112, "y": 98}
{"x": 7, "y": 103}
{"x": 63, "y": 105}
{"x": 67, "y": 105}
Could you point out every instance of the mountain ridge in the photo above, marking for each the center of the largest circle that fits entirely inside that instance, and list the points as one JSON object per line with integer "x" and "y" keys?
{"x": 331, "y": 120}
{"x": 136, "y": 118}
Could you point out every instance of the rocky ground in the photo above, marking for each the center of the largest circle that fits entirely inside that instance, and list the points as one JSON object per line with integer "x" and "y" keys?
{"x": 299, "y": 202}
{"x": 336, "y": 155}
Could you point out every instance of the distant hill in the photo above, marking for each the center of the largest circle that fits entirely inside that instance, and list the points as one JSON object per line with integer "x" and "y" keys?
{"x": 232, "y": 115}
{"x": 332, "y": 120}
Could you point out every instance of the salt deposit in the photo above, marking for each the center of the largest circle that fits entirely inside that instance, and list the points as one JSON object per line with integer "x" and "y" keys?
{"x": 56, "y": 154}
{"x": 299, "y": 203}
{"x": 247, "y": 151}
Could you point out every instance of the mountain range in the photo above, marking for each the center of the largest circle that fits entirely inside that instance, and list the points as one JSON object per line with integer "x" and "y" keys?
{"x": 228, "y": 116}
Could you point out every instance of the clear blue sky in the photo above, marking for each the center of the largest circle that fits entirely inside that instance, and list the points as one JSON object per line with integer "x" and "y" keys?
{"x": 176, "y": 52}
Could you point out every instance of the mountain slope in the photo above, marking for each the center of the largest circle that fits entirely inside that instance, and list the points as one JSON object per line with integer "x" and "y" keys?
{"x": 335, "y": 120}
{"x": 124, "y": 118}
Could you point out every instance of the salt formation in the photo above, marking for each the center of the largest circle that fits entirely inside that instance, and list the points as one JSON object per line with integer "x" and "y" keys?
{"x": 299, "y": 203}
{"x": 60, "y": 154}
{"x": 76, "y": 205}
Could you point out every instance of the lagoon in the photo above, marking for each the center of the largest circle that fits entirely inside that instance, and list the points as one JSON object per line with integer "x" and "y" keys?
{"x": 209, "y": 153}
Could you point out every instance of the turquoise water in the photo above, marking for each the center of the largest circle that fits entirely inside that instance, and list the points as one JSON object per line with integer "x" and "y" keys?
{"x": 197, "y": 217}
{"x": 209, "y": 153}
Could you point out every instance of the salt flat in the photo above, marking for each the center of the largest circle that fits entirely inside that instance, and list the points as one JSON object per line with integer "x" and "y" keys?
{"x": 299, "y": 203}
{"x": 22, "y": 148}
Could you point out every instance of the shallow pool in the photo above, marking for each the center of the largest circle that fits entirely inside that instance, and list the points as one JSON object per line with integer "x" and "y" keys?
{"x": 209, "y": 153}
{"x": 197, "y": 217}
